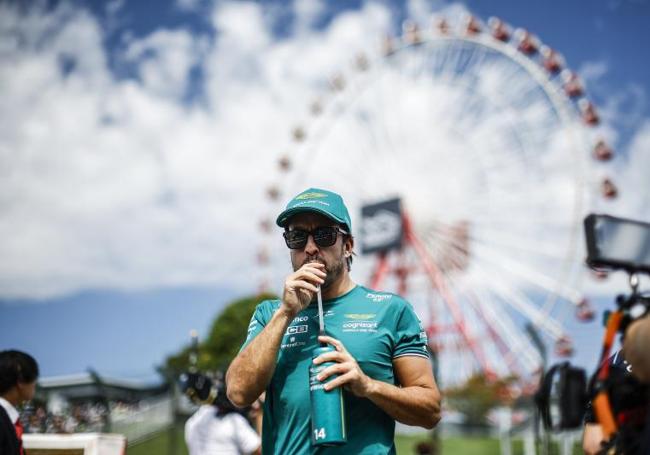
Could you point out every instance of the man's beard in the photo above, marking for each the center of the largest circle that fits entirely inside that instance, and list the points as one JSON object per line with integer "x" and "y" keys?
{"x": 334, "y": 270}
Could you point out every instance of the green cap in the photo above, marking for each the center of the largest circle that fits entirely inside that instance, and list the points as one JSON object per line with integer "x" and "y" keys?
{"x": 316, "y": 200}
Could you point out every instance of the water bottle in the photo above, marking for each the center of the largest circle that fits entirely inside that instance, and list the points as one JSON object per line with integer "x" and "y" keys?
{"x": 327, "y": 409}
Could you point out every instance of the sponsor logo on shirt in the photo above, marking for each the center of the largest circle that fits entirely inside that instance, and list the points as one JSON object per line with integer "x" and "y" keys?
{"x": 360, "y": 316}
{"x": 378, "y": 297}
{"x": 292, "y": 343}
{"x": 300, "y": 319}
{"x": 360, "y": 326}
{"x": 326, "y": 314}
{"x": 293, "y": 329}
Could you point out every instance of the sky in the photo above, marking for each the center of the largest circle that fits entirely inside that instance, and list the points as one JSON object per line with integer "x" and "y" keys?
{"x": 137, "y": 140}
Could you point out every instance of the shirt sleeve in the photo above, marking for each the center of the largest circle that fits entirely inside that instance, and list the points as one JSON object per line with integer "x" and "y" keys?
{"x": 258, "y": 321}
{"x": 247, "y": 439}
{"x": 191, "y": 439}
{"x": 410, "y": 337}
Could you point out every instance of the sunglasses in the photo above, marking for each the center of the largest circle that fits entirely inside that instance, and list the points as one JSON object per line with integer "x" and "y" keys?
{"x": 324, "y": 236}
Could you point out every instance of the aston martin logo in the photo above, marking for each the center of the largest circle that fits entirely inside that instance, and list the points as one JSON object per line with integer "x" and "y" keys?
{"x": 360, "y": 316}
{"x": 311, "y": 196}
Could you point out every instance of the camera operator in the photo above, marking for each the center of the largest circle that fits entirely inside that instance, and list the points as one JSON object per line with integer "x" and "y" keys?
{"x": 637, "y": 348}
{"x": 618, "y": 417}
{"x": 593, "y": 436}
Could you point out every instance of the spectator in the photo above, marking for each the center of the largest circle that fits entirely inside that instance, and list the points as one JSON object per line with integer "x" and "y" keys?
{"x": 18, "y": 375}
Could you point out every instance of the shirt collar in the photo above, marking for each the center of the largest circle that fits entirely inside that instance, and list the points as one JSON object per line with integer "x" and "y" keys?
{"x": 11, "y": 410}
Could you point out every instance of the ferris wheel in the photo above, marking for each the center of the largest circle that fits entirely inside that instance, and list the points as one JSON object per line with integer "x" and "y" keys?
{"x": 495, "y": 155}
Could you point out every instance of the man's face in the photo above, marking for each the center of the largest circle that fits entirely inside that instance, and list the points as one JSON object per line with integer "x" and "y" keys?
{"x": 26, "y": 390}
{"x": 333, "y": 257}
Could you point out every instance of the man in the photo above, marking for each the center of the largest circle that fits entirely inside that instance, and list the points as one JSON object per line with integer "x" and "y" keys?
{"x": 381, "y": 357}
{"x": 635, "y": 348}
{"x": 18, "y": 374}
{"x": 635, "y": 345}
{"x": 637, "y": 341}
{"x": 593, "y": 436}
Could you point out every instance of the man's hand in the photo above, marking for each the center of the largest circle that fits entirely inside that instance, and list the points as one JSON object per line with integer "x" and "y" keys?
{"x": 301, "y": 286}
{"x": 350, "y": 374}
{"x": 251, "y": 370}
{"x": 415, "y": 402}
{"x": 592, "y": 438}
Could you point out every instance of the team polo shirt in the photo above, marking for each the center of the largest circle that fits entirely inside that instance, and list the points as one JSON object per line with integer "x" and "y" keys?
{"x": 376, "y": 328}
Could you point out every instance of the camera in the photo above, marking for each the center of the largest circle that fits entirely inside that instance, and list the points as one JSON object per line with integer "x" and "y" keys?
{"x": 612, "y": 397}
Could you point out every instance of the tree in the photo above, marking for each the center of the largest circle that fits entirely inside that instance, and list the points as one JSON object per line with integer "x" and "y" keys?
{"x": 478, "y": 396}
{"x": 226, "y": 336}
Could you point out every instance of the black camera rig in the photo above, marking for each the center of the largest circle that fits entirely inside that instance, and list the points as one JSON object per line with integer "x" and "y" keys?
{"x": 618, "y": 401}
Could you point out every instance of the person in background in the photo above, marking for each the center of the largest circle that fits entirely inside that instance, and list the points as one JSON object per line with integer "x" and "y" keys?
{"x": 636, "y": 363}
{"x": 18, "y": 375}
{"x": 637, "y": 348}
{"x": 218, "y": 428}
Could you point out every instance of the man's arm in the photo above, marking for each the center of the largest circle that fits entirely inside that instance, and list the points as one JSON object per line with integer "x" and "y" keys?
{"x": 251, "y": 371}
{"x": 416, "y": 402}
{"x": 637, "y": 348}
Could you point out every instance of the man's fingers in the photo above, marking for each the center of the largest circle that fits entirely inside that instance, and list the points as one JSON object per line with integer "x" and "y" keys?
{"x": 329, "y": 371}
{"x": 311, "y": 276}
{"x": 315, "y": 267}
{"x": 302, "y": 286}
{"x": 333, "y": 341}
{"x": 339, "y": 381}
{"x": 334, "y": 356}
{"x": 339, "y": 368}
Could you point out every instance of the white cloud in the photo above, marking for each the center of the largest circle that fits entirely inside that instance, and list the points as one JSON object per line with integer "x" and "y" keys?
{"x": 634, "y": 177}
{"x": 188, "y": 5}
{"x": 307, "y": 14}
{"x": 423, "y": 8}
{"x": 165, "y": 59}
{"x": 116, "y": 183}
{"x": 593, "y": 71}
{"x": 112, "y": 182}
{"x": 114, "y": 6}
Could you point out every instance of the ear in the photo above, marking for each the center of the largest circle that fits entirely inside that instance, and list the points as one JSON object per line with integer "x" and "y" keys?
{"x": 348, "y": 246}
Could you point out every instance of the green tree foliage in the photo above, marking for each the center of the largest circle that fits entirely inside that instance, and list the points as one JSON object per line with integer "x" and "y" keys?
{"x": 226, "y": 336}
{"x": 476, "y": 397}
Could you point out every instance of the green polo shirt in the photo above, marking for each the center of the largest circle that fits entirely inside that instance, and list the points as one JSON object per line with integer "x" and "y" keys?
{"x": 375, "y": 327}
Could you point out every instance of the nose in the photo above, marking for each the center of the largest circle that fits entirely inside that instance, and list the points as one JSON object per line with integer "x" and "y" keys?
{"x": 311, "y": 248}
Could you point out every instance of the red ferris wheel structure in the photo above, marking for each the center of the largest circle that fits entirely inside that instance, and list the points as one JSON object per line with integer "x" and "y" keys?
{"x": 488, "y": 145}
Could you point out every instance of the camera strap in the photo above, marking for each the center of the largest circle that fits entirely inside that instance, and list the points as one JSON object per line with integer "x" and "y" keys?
{"x": 543, "y": 395}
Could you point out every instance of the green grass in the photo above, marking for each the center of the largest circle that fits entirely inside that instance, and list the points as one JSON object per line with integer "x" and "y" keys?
{"x": 474, "y": 445}
{"x": 468, "y": 446}
{"x": 173, "y": 443}
{"x": 170, "y": 442}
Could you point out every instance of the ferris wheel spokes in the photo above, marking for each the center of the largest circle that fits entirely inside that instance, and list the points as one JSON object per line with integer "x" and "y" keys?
{"x": 483, "y": 143}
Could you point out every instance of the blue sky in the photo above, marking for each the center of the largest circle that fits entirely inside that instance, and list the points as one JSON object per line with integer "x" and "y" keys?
{"x": 132, "y": 151}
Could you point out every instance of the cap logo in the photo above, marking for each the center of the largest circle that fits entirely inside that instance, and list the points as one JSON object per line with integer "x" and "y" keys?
{"x": 311, "y": 196}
